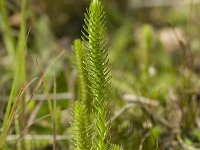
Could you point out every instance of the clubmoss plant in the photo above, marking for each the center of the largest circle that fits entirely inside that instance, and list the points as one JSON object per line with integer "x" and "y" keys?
{"x": 82, "y": 138}
{"x": 94, "y": 77}
{"x": 116, "y": 147}
{"x": 94, "y": 39}
{"x": 145, "y": 54}
{"x": 83, "y": 89}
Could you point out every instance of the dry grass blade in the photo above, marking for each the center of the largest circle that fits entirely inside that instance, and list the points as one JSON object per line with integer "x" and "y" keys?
{"x": 13, "y": 111}
{"x": 141, "y": 100}
{"x": 9, "y": 114}
{"x": 121, "y": 111}
{"x": 38, "y": 137}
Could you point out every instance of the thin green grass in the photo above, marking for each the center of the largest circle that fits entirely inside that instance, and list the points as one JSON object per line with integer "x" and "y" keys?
{"x": 54, "y": 113}
{"x": 8, "y": 36}
{"x": 18, "y": 63}
{"x": 10, "y": 114}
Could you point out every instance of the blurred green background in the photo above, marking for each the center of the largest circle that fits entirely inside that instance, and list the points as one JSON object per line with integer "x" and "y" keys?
{"x": 154, "y": 50}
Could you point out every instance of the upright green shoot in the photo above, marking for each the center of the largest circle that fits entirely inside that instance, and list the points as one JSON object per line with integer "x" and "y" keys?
{"x": 81, "y": 134}
{"x": 145, "y": 53}
{"x": 80, "y": 59}
{"x": 98, "y": 73}
{"x": 94, "y": 78}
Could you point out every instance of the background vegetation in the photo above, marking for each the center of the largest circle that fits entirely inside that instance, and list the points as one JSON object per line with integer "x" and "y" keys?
{"x": 154, "y": 51}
